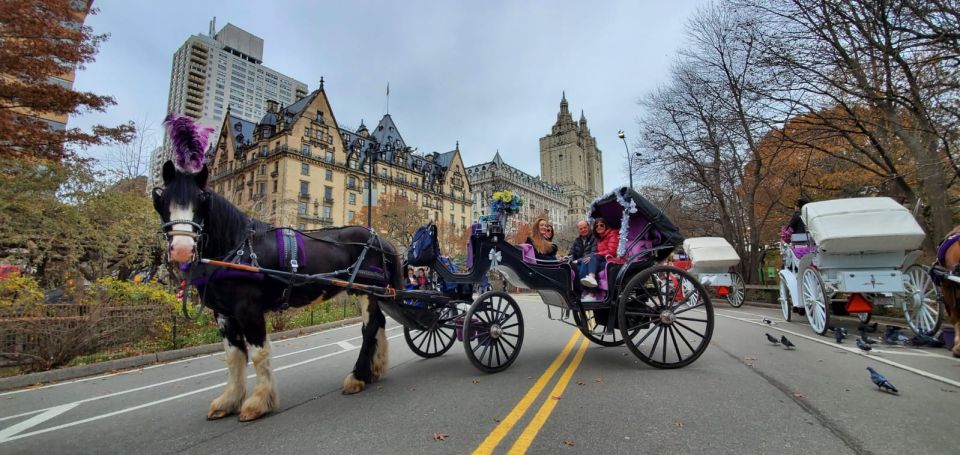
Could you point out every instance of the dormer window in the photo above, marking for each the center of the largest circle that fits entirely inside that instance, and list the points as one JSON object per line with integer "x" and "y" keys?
{"x": 319, "y": 116}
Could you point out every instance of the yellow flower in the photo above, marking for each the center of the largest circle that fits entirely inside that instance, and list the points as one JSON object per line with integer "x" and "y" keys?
{"x": 507, "y": 197}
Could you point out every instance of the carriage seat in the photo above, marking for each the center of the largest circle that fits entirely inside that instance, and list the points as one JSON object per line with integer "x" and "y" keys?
{"x": 529, "y": 257}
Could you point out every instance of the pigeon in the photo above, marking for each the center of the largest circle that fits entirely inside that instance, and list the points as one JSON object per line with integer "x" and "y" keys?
{"x": 772, "y": 339}
{"x": 767, "y": 321}
{"x": 786, "y": 343}
{"x": 839, "y": 334}
{"x": 863, "y": 346}
{"x": 881, "y": 382}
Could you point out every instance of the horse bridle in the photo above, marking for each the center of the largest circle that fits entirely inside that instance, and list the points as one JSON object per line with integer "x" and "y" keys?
{"x": 195, "y": 232}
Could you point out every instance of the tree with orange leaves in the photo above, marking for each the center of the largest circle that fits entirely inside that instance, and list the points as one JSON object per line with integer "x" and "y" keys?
{"x": 44, "y": 40}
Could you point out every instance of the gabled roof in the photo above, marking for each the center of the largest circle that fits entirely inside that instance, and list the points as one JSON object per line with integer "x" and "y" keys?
{"x": 386, "y": 133}
{"x": 241, "y": 132}
{"x": 292, "y": 112}
{"x": 444, "y": 159}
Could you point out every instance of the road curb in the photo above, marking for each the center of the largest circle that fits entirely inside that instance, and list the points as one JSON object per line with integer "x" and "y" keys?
{"x": 64, "y": 374}
{"x": 885, "y": 319}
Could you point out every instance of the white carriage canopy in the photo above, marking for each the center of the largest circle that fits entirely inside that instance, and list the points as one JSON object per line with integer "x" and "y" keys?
{"x": 861, "y": 225}
{"x": 711, "y": 253}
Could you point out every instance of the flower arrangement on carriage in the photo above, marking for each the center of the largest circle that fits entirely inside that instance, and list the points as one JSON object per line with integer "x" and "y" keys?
{"x": 505, "y": 203}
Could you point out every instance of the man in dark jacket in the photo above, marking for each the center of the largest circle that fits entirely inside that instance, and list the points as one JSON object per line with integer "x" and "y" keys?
{"x": 585, "y": 243}
{"x": 796, "y": 223}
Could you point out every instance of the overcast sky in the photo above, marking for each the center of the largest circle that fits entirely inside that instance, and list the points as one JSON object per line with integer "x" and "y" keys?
{"x": 489, "y": 74}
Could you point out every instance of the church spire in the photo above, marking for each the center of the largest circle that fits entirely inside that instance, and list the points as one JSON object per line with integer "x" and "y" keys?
{"x": 564, "y": 107}
{"x": 583, "y": 119}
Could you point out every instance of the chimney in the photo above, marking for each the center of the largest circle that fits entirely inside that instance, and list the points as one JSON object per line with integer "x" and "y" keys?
{"x": 272, "y": 106}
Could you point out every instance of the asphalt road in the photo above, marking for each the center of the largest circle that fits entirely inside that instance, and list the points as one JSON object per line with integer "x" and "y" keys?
{"x": 743, "y": 395}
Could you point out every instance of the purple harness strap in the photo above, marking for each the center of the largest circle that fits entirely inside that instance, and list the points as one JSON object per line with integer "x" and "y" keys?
{"x": 225, "y": 274}
{"x": 282, "y": 248}
{"x": 947, "y": 243}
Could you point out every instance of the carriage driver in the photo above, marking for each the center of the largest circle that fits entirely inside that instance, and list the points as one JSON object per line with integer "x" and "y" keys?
{"x": 796, "y": 223}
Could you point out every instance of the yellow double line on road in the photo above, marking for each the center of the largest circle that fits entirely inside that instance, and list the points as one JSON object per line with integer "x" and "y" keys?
{"x": 540, "y": 418}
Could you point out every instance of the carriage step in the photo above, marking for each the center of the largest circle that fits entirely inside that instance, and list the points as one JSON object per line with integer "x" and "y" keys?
{"x": 594, "y": 306}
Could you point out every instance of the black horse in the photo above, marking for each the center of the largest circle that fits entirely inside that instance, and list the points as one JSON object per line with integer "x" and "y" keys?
{"x": 199, "y": 223}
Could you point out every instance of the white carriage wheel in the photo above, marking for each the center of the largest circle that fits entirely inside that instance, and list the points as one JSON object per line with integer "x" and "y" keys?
{"x": 737, "y": 291}
{"x": 921, "y": 303}
{"x": 814, "y": 300}
{"x": 785, "y": 304}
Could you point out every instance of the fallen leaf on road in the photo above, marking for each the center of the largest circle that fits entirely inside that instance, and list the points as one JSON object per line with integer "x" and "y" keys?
{"x": 496, "y": 420}
{"x": 598, "y": 379}
{"x": 569, "y": 442}
{"x": 440, "y": 436}
{"x": 476, "y": 381}
{"x": 580, "y": 382}
{"x": 799, "y": 395}
{"x": 949, "y": 390}
{"x": 413, "y": 389}
{"x": 678, "y": 424}
{"x": 554, "y": 398}
{"x": 749, "y": 364}
{"x": 529, "y": 377}
{"x": 750, "y": 358}
{"x": 379, "y": 387}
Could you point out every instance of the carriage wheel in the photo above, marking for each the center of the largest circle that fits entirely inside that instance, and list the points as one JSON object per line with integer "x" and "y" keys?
{"x": 737, "y": 291}
{"x": 493, "y": 331}
{"x": 436, "y": 340}
{"x": 591, "y": 329}
{"x": 814, "y": 300}
{"x": 655, "y": 314}
{"x": 922, "y": 307}
{"x": 786, "y": 304}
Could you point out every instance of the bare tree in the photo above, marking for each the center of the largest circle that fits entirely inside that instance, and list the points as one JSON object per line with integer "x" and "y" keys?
{"x": 702, "y": 131}
{"x": 132, "y": 159}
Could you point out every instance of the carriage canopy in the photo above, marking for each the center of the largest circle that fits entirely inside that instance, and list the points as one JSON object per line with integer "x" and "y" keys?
{"x": 711, "y": 252}
{"x": 866, "y": 224}
{"x": 629, "y": 212}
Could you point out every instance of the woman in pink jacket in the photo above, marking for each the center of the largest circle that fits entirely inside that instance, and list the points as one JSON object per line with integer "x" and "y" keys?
{"x": 607, "y": 241}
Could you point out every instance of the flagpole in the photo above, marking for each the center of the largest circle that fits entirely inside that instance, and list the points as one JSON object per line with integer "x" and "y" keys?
{"x": 388, "y": 98}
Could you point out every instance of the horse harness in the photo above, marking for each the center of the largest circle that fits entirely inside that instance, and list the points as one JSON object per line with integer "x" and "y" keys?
{"x": 291, "y": 254}
{"x": 940, "y": 274}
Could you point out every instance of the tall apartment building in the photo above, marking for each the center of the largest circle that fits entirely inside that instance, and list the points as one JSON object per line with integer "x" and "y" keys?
{"x": 224, "y": 69}
{"x": 297, "y": 167}
{"x": 569, "y": 157}
{"x": 540, "y": 197}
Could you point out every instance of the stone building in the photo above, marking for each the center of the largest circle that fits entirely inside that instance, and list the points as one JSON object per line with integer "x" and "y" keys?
{"x": 297, "y": 167}
{"x": 569, "y": 157}
{"x": 540, "y": 197}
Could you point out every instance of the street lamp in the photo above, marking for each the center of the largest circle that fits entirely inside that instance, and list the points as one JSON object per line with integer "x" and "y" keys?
{"x": 623, "y": 138}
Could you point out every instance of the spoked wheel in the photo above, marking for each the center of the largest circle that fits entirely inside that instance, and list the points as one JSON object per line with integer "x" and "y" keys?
{"x": 786, "y": 304}
{"x": 666, "y": 316}
{"x": 594, "y": 328}
{"x": 814, "y": 300}
{"x": 493, "y": 331}
{"x": 439, "y": 338}
{"x": 737, "y": 291}
{"x": 922, "y": 307}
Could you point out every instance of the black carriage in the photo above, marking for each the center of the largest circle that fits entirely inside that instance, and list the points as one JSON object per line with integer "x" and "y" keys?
{"x": 662, "y": 313}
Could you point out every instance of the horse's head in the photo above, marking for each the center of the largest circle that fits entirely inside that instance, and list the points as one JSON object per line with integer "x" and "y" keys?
{"x": 183, "y": 203}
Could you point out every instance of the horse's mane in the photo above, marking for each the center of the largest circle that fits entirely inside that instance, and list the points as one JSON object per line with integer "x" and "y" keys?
{"x": 227, "y": 225}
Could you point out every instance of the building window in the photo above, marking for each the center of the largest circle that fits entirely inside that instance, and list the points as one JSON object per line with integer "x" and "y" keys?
{"x": 327, "y": 194}
{"x": 351, "y": 182}
{"x": 352, "y": 198}
{"x": 328, "y": 175}
{"x": 301, "y": 226}
{"x": 452, "y": 207}
{"x": 304, "y": 188}
{"x": 273, "y": 208}
{"x": 261, "y": 188}
{"x": 326, "y": 211}
{"x": 274, "y": 186}
{"x": 451, "y": 220}
{"x": 305, "y": 149}
{"x": 302, "y": 208}
{"x": 329, "y": 157}
{"x": 350, "y": 215}
{"x": 305, "y": 169}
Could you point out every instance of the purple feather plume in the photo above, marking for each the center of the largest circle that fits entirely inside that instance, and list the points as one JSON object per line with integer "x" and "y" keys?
{"x": 189, "y": 142}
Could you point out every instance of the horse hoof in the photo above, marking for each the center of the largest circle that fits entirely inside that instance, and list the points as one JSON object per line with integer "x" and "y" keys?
{"x": 352, "y": 385}
{"x": 247, "y": 416}
{"x": 217, "y": 414}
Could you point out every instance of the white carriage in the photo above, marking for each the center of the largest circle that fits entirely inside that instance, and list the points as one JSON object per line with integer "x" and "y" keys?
{"x": 858, "y": 253}
{"x": 711, "y": 261}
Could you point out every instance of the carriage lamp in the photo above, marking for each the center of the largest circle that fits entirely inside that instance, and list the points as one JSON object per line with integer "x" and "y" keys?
{"x": 623, "y": 137}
